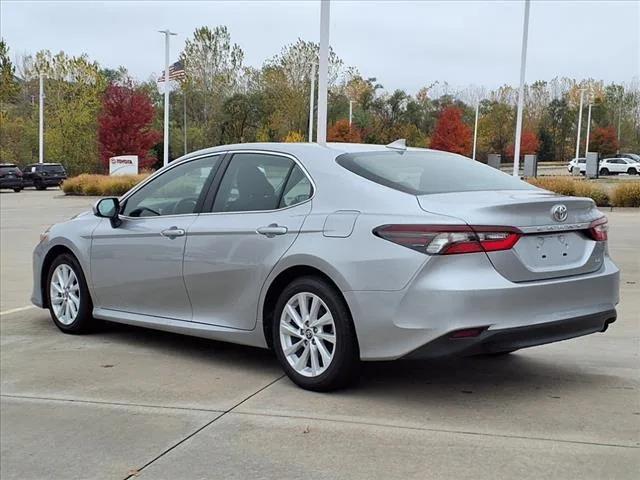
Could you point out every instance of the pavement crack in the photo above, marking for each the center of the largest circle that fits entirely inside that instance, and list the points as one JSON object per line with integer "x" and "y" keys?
{"x": 192, "y": 434}
{"x": 436, "y": 430}
{"x": 117, "y": 404}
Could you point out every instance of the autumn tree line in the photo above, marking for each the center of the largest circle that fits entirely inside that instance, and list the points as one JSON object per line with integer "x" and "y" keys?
{"x": 93, "y": 112}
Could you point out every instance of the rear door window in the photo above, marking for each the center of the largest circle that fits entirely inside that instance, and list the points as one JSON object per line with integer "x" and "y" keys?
{"x": 426, "y": 172}
{"x": 253, "y": 182}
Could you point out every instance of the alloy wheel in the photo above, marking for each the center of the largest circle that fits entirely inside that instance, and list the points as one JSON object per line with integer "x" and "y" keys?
{"x": 307, "y": 334}
{"x": 64, "y": 294}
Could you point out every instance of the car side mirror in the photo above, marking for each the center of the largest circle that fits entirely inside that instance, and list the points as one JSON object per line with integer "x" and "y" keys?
{"x": 108, "y": 208}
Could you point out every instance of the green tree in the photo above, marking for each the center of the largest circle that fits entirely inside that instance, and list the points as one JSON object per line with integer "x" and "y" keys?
{"x": 9, "y": 87}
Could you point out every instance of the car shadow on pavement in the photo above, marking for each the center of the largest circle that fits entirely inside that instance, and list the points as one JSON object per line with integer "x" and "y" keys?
{"x": 519, "y": 371}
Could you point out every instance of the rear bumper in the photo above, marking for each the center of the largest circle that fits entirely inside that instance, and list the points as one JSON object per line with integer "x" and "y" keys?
{"x": 509, "y": 339}
{"x": 465, "y": 291}
{"x": 11, "y": 183}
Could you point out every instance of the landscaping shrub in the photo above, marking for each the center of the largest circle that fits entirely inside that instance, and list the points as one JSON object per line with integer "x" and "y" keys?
{"x": 626, "y": 194}
{"x": 593, "y": 191}
{"x": 573, "y": 187}
{"x": 101, "y": 185}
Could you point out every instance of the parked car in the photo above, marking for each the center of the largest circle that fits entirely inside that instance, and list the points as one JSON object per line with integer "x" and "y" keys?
{"x": 580, "y": 163}
{"x": 10, "y": 177}
{"x": 43, "y": 175}
{"x": 333, "y": 255}
{"x": 614, "y": 166}
{"x": 631, "y": 156}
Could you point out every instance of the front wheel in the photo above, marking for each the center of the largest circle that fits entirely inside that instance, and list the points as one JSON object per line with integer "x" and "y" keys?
{"x": 68, "y": 296}
{"x": 17, "y": 190}
{"x": 314, "y": 337}
{"x": 632, "y": 171}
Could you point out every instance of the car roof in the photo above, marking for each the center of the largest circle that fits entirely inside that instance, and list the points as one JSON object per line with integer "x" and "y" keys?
{"x": 308, "y": 150}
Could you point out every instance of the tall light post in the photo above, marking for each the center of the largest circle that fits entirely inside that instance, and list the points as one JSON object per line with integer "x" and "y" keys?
{"x": 167, "y": 35}
{"x": 312, "y": 97}
{"x": 475, "y": 130}
{"x": 350, "y": 113}
{"x": 586, "y": 148}
{"x": 523, "y": 65}
{"x": 619, "y": 120}
{"x": 323, "y": 71}
{"x": 41, "y": 121}
{"x": 582, "y": 90}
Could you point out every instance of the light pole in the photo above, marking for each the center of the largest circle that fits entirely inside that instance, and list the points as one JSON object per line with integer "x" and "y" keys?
{"x": 523, "y": 65}
{"x": 586, "y": 148}
{"x": 167, "y": 34}
{"x": 582, "y": 90}
{"x": 323, "y": 71}
{"x": 350, "y": 113}
{"x": 312, "y": 97}
{"x": 41, "y": 122}
{"x": 619, "y": 120}
{"x": 475, "y": 131}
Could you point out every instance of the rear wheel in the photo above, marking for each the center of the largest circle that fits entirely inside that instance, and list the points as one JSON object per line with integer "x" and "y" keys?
{"x": 314, "y": 337}
{"x": 17, "y": 189}
{"x": 69, "y": 301}
{"x": 40, "y": 186}
{"x": 604, "y": 171}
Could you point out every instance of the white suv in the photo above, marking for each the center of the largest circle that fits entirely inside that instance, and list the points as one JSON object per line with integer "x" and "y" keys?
{"x": 613, "y": 166}
{"x": 577, "y": 163}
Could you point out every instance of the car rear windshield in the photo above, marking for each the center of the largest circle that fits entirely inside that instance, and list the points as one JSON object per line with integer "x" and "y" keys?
{"x": 425, "y": 172}
{"x": 8, "y": 169}
{"x": 53, "y": 168}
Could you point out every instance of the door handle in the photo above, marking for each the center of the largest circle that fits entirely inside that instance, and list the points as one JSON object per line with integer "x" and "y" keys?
{"x": 172, "y": 232}
{"x": 272, "y": 230}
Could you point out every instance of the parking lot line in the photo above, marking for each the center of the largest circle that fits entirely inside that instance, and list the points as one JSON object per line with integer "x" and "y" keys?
{"x": 16, "y": 310}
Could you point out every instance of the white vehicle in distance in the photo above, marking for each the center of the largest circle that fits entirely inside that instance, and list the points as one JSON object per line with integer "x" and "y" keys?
{"x": 580, "y": 163}
{"x": 614, "y": 166}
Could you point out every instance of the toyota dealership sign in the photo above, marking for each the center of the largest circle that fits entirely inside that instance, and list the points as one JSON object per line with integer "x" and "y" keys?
{"x": 123, "y": 165}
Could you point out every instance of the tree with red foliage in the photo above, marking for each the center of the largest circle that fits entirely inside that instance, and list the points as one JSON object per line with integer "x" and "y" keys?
{"x": 125, "y": 125}
{"x": 604, "y": 141}
{"x": 529, "y": 144}
{"x": 451, "y": 133}
{"x": 342, "y": 132}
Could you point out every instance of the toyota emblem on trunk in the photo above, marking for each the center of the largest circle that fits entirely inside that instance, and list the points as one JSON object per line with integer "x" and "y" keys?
{"x": 559, "y": 212}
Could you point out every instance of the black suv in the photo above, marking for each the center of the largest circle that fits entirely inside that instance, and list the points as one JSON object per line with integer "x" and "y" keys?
{"x": 43, "y": 175}
{"x": 10, "y": 177}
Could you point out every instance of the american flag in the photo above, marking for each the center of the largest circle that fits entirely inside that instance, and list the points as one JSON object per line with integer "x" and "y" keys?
{"x": 176, "y": 72}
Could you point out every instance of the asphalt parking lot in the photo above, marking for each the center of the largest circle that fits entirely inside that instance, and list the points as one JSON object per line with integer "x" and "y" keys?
{"x": 127, "y": 402}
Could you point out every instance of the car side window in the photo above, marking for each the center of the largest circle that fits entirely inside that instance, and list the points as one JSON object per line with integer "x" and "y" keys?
{"x": 175, "y": 192}
{"x": 297, "y": 190}
{"x": 253, "y": 182}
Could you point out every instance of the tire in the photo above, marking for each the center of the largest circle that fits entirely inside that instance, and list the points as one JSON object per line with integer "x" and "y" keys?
{"x": 39, "y": 185}
{"x": 632, "y": 171}
{"x": 17, "y": 190}
{"x": 339, "y": 365}
{"x": 82, "y": 321}
{"x": 604, "y": 171}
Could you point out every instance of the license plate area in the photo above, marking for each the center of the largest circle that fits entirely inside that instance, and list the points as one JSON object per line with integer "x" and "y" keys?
{"x": 553, "y": 251}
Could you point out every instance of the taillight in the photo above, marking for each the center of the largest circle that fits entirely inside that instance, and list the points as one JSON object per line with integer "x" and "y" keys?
{"x": 598, "y": 229}
{"x": 449, "y": 239}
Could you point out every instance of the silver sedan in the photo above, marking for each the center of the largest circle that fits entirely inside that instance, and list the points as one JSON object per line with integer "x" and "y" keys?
{"x": 333, "y": 255}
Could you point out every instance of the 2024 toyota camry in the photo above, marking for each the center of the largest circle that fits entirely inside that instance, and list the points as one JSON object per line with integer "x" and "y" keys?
{"x": 334, "y": 254}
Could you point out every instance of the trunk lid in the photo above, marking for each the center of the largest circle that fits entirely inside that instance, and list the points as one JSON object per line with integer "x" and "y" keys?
{"x": 548, "y": 249}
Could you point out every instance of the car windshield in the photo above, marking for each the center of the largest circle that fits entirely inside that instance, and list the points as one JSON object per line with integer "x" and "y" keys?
{"x": 426, "y": 172}
{"x": 633, "y": 157}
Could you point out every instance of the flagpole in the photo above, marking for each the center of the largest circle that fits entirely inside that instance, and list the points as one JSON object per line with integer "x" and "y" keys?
{"x": 323, "y": 71}
{"x": 311, "y": 100}
{"x": 184, "y": 120}
{"x": 167, "y": 34}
